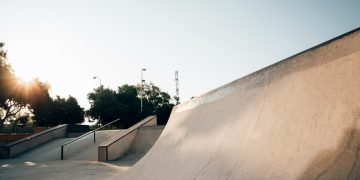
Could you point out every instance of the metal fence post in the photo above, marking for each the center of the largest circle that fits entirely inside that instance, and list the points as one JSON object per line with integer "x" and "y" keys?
{"x": 107, "y": 153}
{"x": 62, "y": 152}
{"x": 94, "y": 136}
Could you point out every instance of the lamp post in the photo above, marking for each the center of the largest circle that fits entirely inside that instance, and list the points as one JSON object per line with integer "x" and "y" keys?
{"x": 97, "y": 77}
{"x": 142, "y": 83}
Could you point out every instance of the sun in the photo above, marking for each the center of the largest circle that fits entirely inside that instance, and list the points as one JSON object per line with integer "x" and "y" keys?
{"x": 24, "y": 78}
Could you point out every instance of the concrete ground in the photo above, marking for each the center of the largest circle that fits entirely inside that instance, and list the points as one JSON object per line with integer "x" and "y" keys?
{"x": 57, "y": 170}
{"x": 46, "y": 152}
{"x": 44, "y": 161}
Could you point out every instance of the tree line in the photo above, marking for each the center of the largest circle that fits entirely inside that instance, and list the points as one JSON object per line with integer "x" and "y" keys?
{"x": 21, "y": 103}
{"x": 124, "y": 103}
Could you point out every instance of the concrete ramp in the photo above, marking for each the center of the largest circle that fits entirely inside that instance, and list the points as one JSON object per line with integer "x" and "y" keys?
{"x": 296, "y": 119}
{"x": 85, "y": 148}
{"x": 15, "y": 148}
{"x": 145, "y": 138}
{"x": 49, "y": 151}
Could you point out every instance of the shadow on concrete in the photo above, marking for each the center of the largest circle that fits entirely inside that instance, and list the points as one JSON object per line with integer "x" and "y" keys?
{"x": 340, "y": 163}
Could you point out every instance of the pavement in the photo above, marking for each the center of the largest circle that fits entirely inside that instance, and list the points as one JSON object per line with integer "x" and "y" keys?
{"x": 44, "y": 162}
{"x": 80, "y": 162}
{"x": 57, "y": 170}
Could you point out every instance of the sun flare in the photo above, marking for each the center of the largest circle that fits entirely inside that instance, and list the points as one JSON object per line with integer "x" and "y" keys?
{"x": 25, "y": 79}
{"x": 24, "y": 75}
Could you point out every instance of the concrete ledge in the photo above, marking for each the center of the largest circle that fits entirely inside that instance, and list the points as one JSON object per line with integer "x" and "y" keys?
{"x": 119, "y": 145}
{"x": 7, "y": 138}
{"x": 4, "y": 151}
{"x": 25, "y": 144}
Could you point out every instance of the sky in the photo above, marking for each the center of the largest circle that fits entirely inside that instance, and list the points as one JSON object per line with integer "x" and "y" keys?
{"x": 210, "y": 43}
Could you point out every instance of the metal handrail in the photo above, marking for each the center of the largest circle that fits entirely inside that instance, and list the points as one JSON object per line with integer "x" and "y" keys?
{"x": 90, "y": 132}
{"x": 139, "y": 124}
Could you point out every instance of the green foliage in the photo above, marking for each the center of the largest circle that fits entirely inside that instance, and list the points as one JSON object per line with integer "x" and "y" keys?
{"x": 58, "y": 111}
{"x": 16, "y": 97}
{"x": 177, "y": 100}
{"x": 108, "y": 105}
{"x": 127, "y": 95}
{"x": 163, "y": 113}
{"x": 22, "y": 120}
{"x": 12, "y": 100}
{"x": 40, "y": 102}
{"x": 158, "y": 102}
{"x": 74, "y": 114}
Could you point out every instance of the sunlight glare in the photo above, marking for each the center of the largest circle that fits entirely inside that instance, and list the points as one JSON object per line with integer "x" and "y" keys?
{"x": 25, "y": 80}
{"x": 5, "y": 165}
{"x": 30, "y": 163}
{"x": 25, "y": 77}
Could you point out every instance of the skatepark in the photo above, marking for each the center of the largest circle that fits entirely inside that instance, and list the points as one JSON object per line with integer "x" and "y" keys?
{"x": 296, "y": 119}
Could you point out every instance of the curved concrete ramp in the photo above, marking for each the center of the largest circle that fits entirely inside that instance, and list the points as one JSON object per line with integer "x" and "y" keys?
{"x": 297, "y": 119}
{"x": 145, "y": 138}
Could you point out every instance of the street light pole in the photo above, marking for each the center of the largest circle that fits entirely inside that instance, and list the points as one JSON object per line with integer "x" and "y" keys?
{"x": 97, "y": 77}
{"x": 142, "y": 92}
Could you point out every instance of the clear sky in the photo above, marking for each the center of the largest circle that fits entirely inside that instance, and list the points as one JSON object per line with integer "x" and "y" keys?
{"x": 210, "y": 42}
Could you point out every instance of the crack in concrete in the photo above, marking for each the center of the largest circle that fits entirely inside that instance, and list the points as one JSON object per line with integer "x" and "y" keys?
{"x": 202, "y": 171}
{"x": 348, "y": 144}
{"x": 230, "y": 172}
{"x": 354, "y": 164}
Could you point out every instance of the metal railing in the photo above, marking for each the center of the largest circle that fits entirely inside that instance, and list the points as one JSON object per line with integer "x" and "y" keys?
{"x": 86, "y": 134}
{"x": 130, "y": 130}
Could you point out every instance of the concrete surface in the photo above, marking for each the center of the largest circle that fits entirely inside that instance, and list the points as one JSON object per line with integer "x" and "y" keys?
{"x": 57, "y": 170}
{"x": 119, "y": 144}
{"x": 297, "y": 119}
{"x": 44, "y": 161}
{"x": 15, "y": 148}
{"x": 46, "y": 152}
{"x": 144, "y": 140}
{"x": 85, "y": 148}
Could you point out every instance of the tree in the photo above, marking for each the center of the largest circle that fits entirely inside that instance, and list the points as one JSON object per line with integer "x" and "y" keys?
{"x": 40, "y": 102}
{"x": 58, "y": 111}
{"x": 74, "y": 114}
{"x": 34, "y": 96}
{"x": 128, "y": 95}
{"x": 52, "y": 112}
{"x": 105, "y": 106}
{"x": 159, "y": 102}
{"x": 108, "y": 105}
{"x": 163, "y": 113}
{"x": 11, "y": 92}
{"x": 177, "y": 100}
